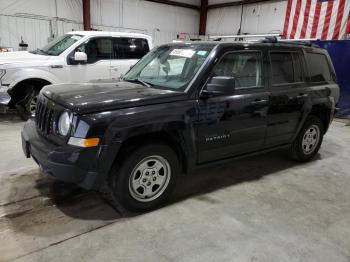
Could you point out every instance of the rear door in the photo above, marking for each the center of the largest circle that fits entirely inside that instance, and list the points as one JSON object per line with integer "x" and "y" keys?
{"x": 288, "y": 95}
{"x": 127, "y": 51}
{"x": 236, "y": 124}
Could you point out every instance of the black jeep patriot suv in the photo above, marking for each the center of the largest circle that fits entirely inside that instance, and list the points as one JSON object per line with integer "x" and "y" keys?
{"x": 183, "y": 106}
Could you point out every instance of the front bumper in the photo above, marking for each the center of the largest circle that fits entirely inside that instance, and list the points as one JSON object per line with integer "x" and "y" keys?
{"x": 4, "y": 96}
{"x": 64, "y": 162}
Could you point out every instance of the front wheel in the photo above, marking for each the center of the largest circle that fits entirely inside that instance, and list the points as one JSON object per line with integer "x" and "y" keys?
{"x": 146, "y": 178}
{"x": 309, "y": 140}
{"x": 26, "y": 108}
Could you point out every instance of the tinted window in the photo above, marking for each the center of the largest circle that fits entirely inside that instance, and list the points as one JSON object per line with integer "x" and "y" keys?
{"x": 282, "y": 68}
{"x": 298, "y": 73}
{"x": 131, "y": 48}
{"x": 98, "y": 49}
{"x": 286, "y": 68}
{"x": 244, "y": 67}
{"x": 318, "y": 67}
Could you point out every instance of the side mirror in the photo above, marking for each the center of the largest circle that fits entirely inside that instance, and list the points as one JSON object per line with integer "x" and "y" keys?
{"x": 219, "y": 85}
{"x": 80, "y": 57}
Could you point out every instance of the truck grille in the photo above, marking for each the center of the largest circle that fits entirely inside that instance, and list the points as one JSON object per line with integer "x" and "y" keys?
{"x": 44, "y": 115}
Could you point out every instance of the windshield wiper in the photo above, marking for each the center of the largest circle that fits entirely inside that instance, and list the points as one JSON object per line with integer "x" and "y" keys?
{"x": 138, "y": 80}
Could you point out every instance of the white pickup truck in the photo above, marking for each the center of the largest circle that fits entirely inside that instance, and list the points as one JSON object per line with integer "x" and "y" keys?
{"x": 77, "y": 56}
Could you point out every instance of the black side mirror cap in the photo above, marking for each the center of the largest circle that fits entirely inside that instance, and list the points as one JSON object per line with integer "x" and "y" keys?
{"x": 207, "y": 94}
{"x": 219, "y": 85}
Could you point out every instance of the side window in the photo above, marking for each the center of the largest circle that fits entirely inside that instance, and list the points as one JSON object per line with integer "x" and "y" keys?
{"x": 246, "y": 68}
{"x": 282, "y": 68}
{"x": 318, "y": 67}
{"x": 298, "y": 72}
{"x": 131, "y": 48}
{"x": 286, "y": 68}
{"x": 98, "y": 49}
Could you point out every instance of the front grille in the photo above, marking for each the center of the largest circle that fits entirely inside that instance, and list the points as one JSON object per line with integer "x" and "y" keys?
{"x": 44, "y": 115}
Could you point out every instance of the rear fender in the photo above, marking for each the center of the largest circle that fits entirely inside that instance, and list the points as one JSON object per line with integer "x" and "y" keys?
{"x": 321, "y": 104}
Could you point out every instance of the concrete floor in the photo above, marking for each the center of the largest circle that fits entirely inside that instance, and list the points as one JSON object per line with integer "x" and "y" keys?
{"x": 265, "y": 208}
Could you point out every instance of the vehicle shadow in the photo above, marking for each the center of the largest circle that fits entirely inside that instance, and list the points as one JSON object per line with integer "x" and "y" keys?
{"x": 79, "y": 203}
{"x": 88, "y": 210}
{"x": 10, "y": 117}
{"x": 245, "y": 170}
{"x": 203, "y": 181}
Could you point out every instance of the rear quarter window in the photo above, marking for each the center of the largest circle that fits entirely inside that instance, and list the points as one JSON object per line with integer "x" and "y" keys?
{"x": 318, "y": 67}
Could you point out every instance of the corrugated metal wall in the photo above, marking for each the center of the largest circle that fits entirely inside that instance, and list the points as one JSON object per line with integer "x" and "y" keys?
{"x": 257, "y": 18}
{"x": 32, "y": 30}
{"x": 37, "y": 20}
{"x": 162, "y": 22}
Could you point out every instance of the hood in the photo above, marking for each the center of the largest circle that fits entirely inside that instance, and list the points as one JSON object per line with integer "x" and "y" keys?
{"x": 96, "y": 97}
{"x": 20, "y": 57}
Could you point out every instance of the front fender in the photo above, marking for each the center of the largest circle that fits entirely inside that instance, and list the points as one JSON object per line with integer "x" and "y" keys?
{"x": 115, "y": 127}
{"x": 20, "y": 75}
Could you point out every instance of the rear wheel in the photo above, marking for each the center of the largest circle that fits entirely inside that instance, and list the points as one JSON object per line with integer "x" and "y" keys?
{"x": 146, "y": 178}
{"x": 309, "y": 140}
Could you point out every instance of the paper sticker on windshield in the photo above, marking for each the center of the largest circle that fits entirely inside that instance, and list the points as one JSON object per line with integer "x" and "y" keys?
{"x": 183, "y": 52}
{"x": 202, "y": 53}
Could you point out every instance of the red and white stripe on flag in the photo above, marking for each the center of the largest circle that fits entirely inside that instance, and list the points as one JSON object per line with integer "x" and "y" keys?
{"x": 321, "y": 19}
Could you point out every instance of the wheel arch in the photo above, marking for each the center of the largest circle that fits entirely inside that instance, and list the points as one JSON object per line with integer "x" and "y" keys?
{"x": 167, "y": 137}
{"x": 324, "y": 113}
{"x": 19, "y": 90}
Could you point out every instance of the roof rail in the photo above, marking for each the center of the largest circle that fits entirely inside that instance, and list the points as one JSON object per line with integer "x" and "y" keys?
{"x": 268, "y": 38}
{"x": 303, "y": 42}
{"x": 243, "y": 36}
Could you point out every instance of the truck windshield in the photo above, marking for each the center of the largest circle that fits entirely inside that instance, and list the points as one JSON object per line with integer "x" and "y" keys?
{"x": 169, "y": 67}
{"x": 58, "y": 45}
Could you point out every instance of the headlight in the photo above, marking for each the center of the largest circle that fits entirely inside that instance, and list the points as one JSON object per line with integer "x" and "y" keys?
{"x": 64, "y": 123}
{"x": 2, "y": 73}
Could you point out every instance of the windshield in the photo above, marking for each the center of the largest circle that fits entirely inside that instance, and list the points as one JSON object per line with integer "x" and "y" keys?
{"x": 169, "y": 67}
{"x": 58, "y": 45}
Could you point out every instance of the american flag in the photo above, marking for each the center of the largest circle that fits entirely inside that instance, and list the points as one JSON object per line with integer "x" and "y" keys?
{"x": 321, "y": 19}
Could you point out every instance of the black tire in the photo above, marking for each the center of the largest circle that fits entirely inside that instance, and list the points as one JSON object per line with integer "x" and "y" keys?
{"x": 121, "y": 176}
{"x": 299, "y": 149}
{"x": 26, "y": 108}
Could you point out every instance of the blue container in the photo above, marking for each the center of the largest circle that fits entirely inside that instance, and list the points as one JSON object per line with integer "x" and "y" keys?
{"x": 339, "y": 52}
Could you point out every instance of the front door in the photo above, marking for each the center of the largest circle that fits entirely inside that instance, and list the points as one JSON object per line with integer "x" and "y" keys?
{"x": 99, "y": 53}
{"x": 236, "y": 124}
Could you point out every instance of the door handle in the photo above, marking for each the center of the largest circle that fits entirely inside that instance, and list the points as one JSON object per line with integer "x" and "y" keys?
{"x": 260, "y": 107}
{"x": 56, "y": 66}
{"x": 259, "y": 102}
{"x": 114, "y": 68}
